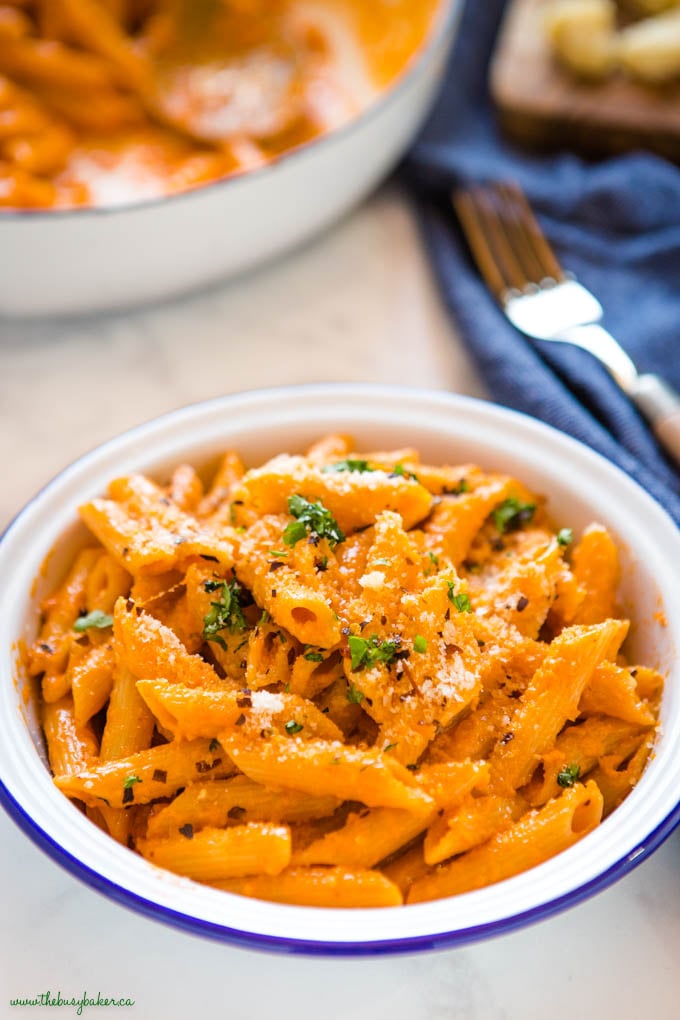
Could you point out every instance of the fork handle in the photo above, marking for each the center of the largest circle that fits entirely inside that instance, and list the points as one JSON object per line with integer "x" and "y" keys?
{"x": 660, "y": 405}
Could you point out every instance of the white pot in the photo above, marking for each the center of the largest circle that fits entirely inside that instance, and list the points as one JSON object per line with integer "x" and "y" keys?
{"x": 73, "y": 261}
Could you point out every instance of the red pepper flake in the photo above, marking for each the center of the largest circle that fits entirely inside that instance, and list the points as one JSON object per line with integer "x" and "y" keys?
{"x": 522, "y": 603}
{"x": 160, "y": 776}
{"x": 236, "y": 812}
{"x": 244, "y": 700}
{"x": 187, "y": 831}
{"x": 275, "y": 565}
{"x": 240, "y": 721}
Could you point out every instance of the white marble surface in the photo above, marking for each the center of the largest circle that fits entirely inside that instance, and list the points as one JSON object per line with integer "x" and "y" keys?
{"x": 357, "y": 305}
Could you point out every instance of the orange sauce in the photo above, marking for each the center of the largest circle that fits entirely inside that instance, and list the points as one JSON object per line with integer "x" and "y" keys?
{"x": 142, "y": 105}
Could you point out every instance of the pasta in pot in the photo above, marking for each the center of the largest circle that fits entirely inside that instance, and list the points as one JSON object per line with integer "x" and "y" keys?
{"x": 104, "y": 102}
{"x": 341, "y": 679}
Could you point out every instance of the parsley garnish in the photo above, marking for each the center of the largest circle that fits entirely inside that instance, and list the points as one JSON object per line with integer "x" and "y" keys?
{"x": 265, "y": 618}
{"x": 565, "y": 536}
{"x": 130, "y": 781}
{"x": 214, "y": 745}
{"x": 354, "y": 695}
{"x": 347, "y": 465}
{"x": 312, "y": 656}
{"x": 281, "y": 553}
{"x": 512, "y": 514}
{"x": 227, "y": 614}
{"x": 458, "y": 490}
{"x": 399, "y": 471}
{"x": 419, "y": 644}
{"x": 389, "y": 747}
{"x": 293, "y": 727}
{"x": 381, "y": 563}
{"x": 95, "y": 619}
{"x": 568, "y": 775}
{"x": 434, "y": 560}
{"x": 311, "y": 519}
{"x": 461, "y": 601}
{"x": 367, "y": 652}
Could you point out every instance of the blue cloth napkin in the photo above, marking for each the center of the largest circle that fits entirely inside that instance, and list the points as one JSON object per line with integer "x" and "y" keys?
{"x": 615, "y": 224}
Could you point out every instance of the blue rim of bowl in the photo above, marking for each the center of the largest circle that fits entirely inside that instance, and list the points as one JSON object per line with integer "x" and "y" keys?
{"x": 438, "y": 38}
{"x": 308, "y": 947}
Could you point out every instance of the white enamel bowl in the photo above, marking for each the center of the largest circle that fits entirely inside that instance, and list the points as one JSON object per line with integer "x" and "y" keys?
{"x": 581, "y": 487}
{"x": 71, "y": 262}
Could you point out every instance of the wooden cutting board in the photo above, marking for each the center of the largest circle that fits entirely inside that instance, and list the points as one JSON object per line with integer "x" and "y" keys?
{"x": 544, "y": 107}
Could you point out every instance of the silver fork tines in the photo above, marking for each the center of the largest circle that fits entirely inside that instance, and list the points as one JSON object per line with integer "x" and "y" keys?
{"x": 547, "y": 303}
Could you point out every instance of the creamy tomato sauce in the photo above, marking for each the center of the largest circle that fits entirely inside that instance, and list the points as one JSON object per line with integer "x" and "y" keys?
{"x": 162, "y": 97}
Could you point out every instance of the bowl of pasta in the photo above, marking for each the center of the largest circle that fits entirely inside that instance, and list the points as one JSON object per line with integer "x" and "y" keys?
{"x": 274, "y": 663}
{"x": 215, "y": 135}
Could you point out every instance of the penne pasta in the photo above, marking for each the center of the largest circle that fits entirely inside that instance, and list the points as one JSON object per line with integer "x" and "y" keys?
{"x": 358, "y": 679}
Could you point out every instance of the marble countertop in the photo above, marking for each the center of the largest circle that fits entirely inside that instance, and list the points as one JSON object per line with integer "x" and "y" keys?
{"x": 358, "y": 304}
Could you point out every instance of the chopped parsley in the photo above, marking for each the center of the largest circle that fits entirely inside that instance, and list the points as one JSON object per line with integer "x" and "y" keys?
{"x": 419, "y": 644}
{"x": 389, "y": 747}
{"x": 281, "y": 553}
{"x": 460, "y": 601}
{"x": 568, "y": 775}
{"x": 265, "y": 618}
{"x": 130, "y": 781}
{"x": 434, "y": 560}
{"x": 368, "y": 652}
{"x": 292, "y": 727}
{"x": 225, "y": 614}
{"x": 311, "y": 519}
{"x": 347, "y": 465}
{"x": 354, "y": 695}
{"x": 457, "y": 490}
{"x": 565, "y": 536}
{"x": 383, "y": 562}
{"x": 96, "y": 619}
{"x": 312, "y": 656}
{"x": 399, "y": 471}
{"x": 512, "y": 514}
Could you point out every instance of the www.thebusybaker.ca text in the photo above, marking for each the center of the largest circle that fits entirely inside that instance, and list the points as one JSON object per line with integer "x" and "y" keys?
{"x": 50, "y": 999}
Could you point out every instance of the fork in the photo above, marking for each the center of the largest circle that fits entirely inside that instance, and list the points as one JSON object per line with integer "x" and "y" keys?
{"x": 546, "y": 303}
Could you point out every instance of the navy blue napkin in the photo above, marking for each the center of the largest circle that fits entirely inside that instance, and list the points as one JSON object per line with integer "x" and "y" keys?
{"x": 615, "y": 224}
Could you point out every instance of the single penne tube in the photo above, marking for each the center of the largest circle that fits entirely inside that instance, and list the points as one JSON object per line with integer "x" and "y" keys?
{"x": 91, "y": 676}
{"x": 327, "y": 767}
{"x": 106, "y": 582}
{"x": 117, "y": 822}
{"x": 576, "y": 752}
{"x": 366, "y": 838}
{"x": 216, "y": 502}
{"x": 535, "y": 838}
{"x": 70, "y": 748}
{"x": 238, "y": 800}
{"x": 550, "y": 701}
{"x": 278, "y": 587}
{"x": 129, "y": 723}
{"x": 618, "y": 773}
{"x": 153, "y": 651}
{"x": 49, "y": 653}
{"x": 353, "y": 498}
{"x": 448, "y": 782}
{"x": 466, "y": 826}
{"x": 454, "y": 522}
{"x": 147, "y": 775}
{"x": 215, "y": 854}
{"x": 612, "y": 691}
{"x": 195, "y": 712}
{"x": 186, "y": 488}
{"x": 168, "y": 537}
{"x": 319, "y": 887}
{"x": 329, "y": 450}
{"x": 596, "y": 569}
